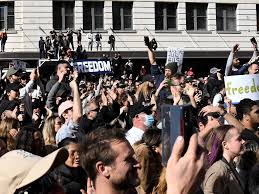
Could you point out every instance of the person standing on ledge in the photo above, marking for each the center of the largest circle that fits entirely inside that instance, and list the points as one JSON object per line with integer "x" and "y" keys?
{"x": 3, "y": 40}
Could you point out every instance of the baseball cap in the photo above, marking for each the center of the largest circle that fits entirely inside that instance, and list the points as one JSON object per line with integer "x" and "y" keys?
{"x": 64, "y": 106}
{"x": 11, "y": 71}
{"x": 214, "y": 70}
{"x": 19, "y": 168}
{"x": 148, "y": 78}
{"x": 139, "y": 109}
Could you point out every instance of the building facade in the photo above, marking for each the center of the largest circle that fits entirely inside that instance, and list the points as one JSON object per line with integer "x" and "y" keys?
{"x": 198, "y": 26}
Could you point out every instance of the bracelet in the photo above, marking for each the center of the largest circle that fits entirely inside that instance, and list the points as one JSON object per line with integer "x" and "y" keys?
{"x": 224, "y": 113}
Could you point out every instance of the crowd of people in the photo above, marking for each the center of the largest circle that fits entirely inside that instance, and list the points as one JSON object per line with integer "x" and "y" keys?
{"x": 58, "y": 44}
{"x": 104, "y": 134}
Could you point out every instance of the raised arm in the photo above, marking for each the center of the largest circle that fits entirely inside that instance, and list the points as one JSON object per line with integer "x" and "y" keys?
{"x": 77, "y": 106}
{"x": 230, "y": 59}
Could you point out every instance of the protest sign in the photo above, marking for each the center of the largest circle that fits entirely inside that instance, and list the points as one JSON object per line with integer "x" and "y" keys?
{"x": 175, "y": 55}
{"x": 18, "y": 64}
{"x": 239, "y": 87}
{"x": 92, "y": 66}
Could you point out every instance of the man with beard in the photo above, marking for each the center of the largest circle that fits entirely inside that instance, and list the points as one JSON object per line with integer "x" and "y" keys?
{"x": 233, "y": 66}
{"x": 248, "y": 114}
{"x": 108, "y": 159}
{"x": 170, "y": 70}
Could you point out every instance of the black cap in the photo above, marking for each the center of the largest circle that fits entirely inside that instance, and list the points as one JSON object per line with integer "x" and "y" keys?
{"x": 139, "y": 109}
{"x": 13, "y": 86}
{"x": 148, "y": 78}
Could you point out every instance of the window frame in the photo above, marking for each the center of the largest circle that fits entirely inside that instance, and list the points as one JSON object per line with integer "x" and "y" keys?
{"x": 121, "y": 5}
{"x": 194, "y": 8}
{"x": 165, "y": 16}
{"x": 64, "y": 14}
{"x": 93, "y": 5}
{"x": 6, "y": 6}
{"x": 224, "y": 17}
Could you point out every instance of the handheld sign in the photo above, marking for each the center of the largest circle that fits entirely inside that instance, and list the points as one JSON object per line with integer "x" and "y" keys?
{"x": 239, "y": 87}
{"x": 92, "y": 66}
{"x": 175, "y": 55}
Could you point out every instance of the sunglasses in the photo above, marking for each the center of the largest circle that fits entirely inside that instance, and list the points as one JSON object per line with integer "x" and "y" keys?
{"x": 96, "y": 110}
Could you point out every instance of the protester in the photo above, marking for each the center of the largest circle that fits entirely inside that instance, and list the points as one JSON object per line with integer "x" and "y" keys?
{"x": 222, "y": 176}
{"x": 111, "y": 41}
{"x": 142, "y": 120}
{"x": 98, "y": 38}
{"x": 148, "y": 152}
{"x": 3, "y": 40}
{"x": 42, "y": 48}
{"x": 28, "y": 173}
{"x": 90, "y": 38}
{"x": 109, "y": 114}
{"x": 107, "y": 157}
{"x": 70, "y": 175}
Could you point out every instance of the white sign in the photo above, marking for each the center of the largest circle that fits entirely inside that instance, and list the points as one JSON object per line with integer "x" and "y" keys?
{"x": 92, "y": 66}
{"x": 239, "y": 87}
{"x": 18, "y": 64}
{"x": 175, "y": 55}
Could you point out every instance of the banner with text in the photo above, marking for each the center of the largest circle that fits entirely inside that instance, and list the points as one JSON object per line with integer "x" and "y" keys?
{"x": 239, "y": 87}
{"x": 18, "y": 64}
{"x": 92, "y": 66}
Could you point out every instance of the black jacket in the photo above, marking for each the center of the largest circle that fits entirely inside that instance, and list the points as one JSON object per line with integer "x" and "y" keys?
{"x": 72, "y": 179}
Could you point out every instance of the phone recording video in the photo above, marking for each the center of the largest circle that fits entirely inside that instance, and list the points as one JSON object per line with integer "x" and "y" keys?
{"x": 176, "y": 121}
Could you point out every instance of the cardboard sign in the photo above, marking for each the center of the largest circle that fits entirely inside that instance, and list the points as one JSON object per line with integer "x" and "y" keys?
{"x": 175, "y": 55}
{"x": 92, "y": 66}
{"x": 239, "y": 87}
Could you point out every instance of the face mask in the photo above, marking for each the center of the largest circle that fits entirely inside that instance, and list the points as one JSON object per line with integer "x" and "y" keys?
{"x": 149, "y": 120}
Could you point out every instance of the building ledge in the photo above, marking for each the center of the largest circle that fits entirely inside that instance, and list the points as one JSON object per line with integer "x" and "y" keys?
{"x": 34, "y": 56}
{"x": 228, "y": 32}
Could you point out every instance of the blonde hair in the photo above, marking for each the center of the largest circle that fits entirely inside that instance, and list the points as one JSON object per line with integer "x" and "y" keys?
{"x": 48, "y": 131}
{"x": 161, "y": 187}
{"x": 145, "y": 90}
{"x": 5, "y": 126}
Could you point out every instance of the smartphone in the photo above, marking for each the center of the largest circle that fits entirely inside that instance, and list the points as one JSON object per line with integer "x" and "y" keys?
{"x": 253, "y": 40}
{"x": 176, "y": 121}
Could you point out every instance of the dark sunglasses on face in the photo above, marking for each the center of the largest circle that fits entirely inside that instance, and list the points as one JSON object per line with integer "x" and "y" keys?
{"x": 96, "y": 110}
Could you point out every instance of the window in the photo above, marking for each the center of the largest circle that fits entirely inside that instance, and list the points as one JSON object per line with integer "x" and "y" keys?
{"x": 257, "y": 16}
{"x": 122, "y": 15}
{"x": 226, "y": 17}
{"x": 63, "y": 14}
{"x": 165, "y": 16}
{"x": 7, "y": 15}
{"x": 93, "y": 15}
{"x": 196, "y": 16}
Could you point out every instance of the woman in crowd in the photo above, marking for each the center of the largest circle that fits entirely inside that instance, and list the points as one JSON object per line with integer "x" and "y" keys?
{"x": 145, "y": 91}
{"x": 70, "y": 174}
{"x": 51, "y": 126}
{"x": 148, "y": 152}
{"x": 8, "y": 132}
{"x": 224, "y": 145}
{"x": 30, "y": 139}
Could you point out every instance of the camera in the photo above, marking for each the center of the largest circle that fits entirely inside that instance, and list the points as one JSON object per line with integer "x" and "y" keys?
{"x": 150, "y": 44}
